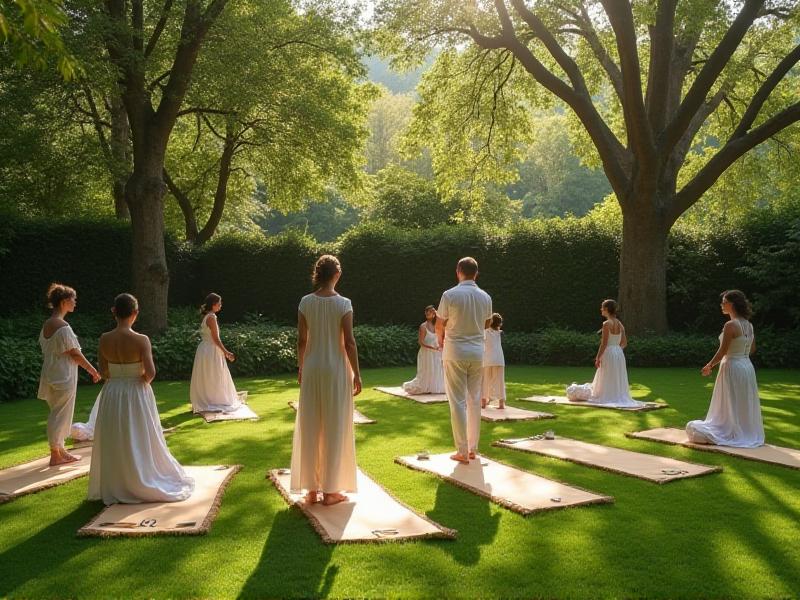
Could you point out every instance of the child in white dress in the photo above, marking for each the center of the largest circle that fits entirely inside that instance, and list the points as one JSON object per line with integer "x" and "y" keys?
{"x": 430, "y": 373}
{"x": 130, "y": 460}
{"x": 58, "y": 383}
{"x": 211, "y": 388}
{"x": 734, "y": 417}
{"x": 493, "y": 384}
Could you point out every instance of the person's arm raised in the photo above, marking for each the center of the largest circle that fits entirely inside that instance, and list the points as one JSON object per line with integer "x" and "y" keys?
{"x": 351, "y": 349}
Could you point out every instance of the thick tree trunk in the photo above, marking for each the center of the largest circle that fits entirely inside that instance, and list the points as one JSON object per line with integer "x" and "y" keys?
{"x": 643, "y": 270}
{"x": 145, "y": 191}
{"x": 120, "y": 140}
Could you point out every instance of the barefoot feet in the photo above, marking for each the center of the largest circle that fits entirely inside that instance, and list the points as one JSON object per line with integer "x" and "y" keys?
{"x": 312, "y": 497}
{"x": 59, "y": 456}
{"x": 459, "y": 458}
{"x": 333, "y": 498}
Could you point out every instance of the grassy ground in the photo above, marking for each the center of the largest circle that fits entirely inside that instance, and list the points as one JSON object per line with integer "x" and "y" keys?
{"x": 733, "y": 534}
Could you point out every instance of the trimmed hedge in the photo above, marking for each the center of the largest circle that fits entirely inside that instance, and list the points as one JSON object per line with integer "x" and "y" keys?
{"x": 541, "y": 274}
{"x": 265, "y": 348}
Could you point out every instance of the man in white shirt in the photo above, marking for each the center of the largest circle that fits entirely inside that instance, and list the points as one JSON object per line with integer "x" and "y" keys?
{"x": 463, "y": 313}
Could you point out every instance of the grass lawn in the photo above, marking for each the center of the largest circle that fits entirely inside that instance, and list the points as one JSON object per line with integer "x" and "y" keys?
{"x": 734, "y": 534}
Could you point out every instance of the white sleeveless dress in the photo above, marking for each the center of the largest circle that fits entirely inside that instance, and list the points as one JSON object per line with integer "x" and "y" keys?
{"x": 130, "y": 459}
{"x": 211, "y": 388}
{"x": 430, "y": 373}
{"x": 610, "y": 384}
{"x": 734, "y": 417}
{"x": 493, "y": 383}
{"x": 323, "y": 447}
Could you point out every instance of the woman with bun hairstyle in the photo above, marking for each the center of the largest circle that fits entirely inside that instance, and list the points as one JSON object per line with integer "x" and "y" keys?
{"x": 323, "y": 448}
{"x": 58, "y": 382}
{"x": 212, "y": 388}
{"x": 130, "y": 459}
{"x": 734, "y": 417}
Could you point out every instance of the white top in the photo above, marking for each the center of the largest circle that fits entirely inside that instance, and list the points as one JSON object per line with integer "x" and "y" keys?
{"x": 493, "y": 348}
{"x": 466, "y": 308}
{"x": 59, "y": 371}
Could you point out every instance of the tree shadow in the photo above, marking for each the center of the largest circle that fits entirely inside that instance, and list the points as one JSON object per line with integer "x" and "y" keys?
{"x": 294, "y": 561}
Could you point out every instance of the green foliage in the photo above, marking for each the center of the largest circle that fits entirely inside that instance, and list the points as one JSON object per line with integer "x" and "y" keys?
{"x": 323, "y": 220}
{"x": 29, "y": 29}
{"x": 22, "y": 364}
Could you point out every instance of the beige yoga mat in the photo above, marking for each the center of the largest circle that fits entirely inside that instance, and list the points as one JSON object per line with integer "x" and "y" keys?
{"x": 358, "y": 417}
{"x": 371, "y": 515}
{"x": 192, "y": 516}
{"x": 37, "y": 475}
{"x": 564, "y": 401}
{"x": 775, "y": 455}
{"x": 243, "y": 413}
{"x": 508, "y": 486}
{"x": 657, "y": 469}
{"x": 509, "y": 413}
{"x": 423, "y": 398}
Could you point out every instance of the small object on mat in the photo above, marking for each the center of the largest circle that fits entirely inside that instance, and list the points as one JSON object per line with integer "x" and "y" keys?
{"x": 549, "y": 434}
{"x": 382, "y": 533}
{"x": 555, "y": 499}
{"x": 423, "y": 455}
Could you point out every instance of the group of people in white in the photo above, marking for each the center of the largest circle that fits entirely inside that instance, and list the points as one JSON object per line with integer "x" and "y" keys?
{"x": 460, "y": 354}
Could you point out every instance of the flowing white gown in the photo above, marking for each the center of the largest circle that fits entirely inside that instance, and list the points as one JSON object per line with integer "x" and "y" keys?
{"x": 610, "y": 384}
{"x": 734, "y": 417}
{"x": 211, "y": 388}
{"x": 323, "y": 448}
{"x": 430, "y": 373}
{"x": 130, "y": 460}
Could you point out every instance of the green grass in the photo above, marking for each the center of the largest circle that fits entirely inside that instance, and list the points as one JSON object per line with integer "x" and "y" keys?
{"x": 733, "y": 534}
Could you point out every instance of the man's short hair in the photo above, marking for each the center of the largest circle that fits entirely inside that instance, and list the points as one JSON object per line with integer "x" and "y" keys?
{"x": 468, "y": 266}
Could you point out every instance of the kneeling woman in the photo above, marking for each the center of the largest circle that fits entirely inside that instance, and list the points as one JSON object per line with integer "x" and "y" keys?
{"x": 734, "y": 417}
{"x": 130, "y": 461}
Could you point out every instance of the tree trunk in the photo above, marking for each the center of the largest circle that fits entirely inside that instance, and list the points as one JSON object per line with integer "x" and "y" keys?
{"x": 145, "y": 191}
{"x": 221, "y": 193}
{"x": 120, "y": 138}
{"x": 643, "y": 269}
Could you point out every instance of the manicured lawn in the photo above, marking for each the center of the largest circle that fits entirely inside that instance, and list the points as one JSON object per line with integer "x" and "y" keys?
{"x": 733, "y": 534}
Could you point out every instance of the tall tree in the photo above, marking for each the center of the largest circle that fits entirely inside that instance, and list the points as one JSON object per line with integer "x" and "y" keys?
{"x": 154, "y": 46}
{"x": 643, "y": 79}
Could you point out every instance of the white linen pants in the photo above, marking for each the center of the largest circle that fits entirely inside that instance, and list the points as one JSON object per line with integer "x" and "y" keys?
{"x": 462, "y": 384}
{"x": 59, "y": 421}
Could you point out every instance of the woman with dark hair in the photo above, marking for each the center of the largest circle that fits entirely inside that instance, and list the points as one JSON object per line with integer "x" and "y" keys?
{"x": 211, "y": 388}
{"x": 734, "y": 417}
{"x": 323, "y": 448}
{"x": 430, "y": 373}
{"x": 610, "y": 384}
{"x": 130, "y": 459}
{"x": 58, "y": 383}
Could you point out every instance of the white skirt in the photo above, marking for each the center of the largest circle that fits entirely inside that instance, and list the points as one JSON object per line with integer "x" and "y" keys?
{"x": 734, "y": 417}
{"x": 493, "y": 384}
{"x": 212, "y": 388}
{"x": 130, "y": 459}
{"x": 430, "y": 374}
{"x": 610, "y": 384}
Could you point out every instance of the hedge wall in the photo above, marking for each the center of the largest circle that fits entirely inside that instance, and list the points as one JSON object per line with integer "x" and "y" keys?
{"x": 540, "y": 273}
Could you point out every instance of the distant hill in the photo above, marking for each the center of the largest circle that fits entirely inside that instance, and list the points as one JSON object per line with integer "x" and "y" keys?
{"x": 397, "y": 83}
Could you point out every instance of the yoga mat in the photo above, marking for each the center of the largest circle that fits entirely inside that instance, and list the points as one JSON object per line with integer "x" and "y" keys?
{"x": 657, "y": 469}
{"x": 507, "y": 486}
{"x": 192, "y": 516}
{"x": 37, "y": 475}
{"x": 509, "y": 413}
{"x": 563, "y": 400}
{"x": 371, "y": 515}
{"x": 243, "y": 413}
{"x": 774, "y": 455}
{"x": 358, "y": 418}
{"x": 423, "y": 398}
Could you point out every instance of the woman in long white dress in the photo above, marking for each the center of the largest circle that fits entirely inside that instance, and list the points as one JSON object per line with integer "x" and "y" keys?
{"x": 493, "y": 380}
{"x": 430, "y": 373}
{"x": 610, "y": 384}
{"x": 211, "y": 388}
{"x": 323, "y": 448}
{"x": 58, "y": 383}
{"x": 734, "y": 417}
{"x": 130, "y": 460}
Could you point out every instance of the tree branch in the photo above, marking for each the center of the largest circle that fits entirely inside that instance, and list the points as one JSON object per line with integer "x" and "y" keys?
{"x": 728, "y": 154}
{"x": 589, "y": 33}
{"x": 708, "y": 74}
{"x": 662, "y": 43}
{"x": 162, "y": 21}
{"x": 185, "y": 204}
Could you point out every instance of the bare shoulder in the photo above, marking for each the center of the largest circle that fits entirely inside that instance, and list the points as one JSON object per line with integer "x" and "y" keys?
{"x": 142, "y": 340}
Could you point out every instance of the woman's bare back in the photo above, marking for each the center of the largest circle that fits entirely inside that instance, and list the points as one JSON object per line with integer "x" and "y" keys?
{"x": 122, "y": 346}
